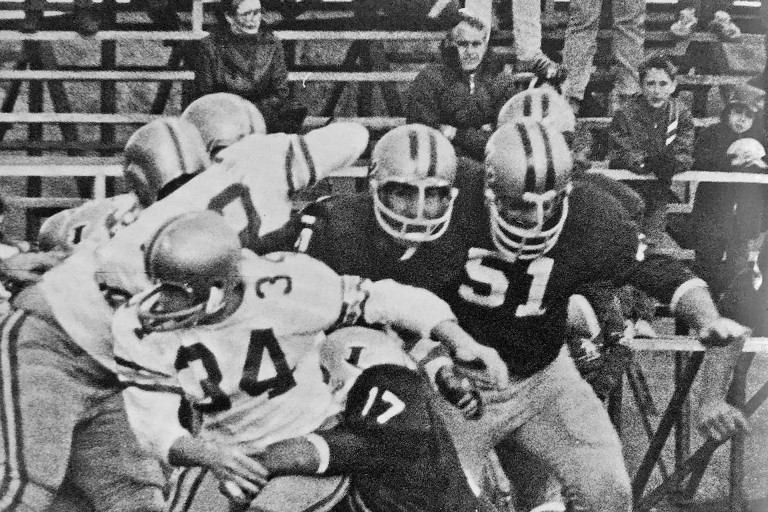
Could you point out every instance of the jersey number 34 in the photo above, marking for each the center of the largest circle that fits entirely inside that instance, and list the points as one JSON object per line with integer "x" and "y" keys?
{"x": 215, "y": 399}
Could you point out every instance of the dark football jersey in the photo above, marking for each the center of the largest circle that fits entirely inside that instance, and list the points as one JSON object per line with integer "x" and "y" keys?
{"x": 520, "y": 308}
{"x": 347, "y": 237}
{"x": 396, "y": 447}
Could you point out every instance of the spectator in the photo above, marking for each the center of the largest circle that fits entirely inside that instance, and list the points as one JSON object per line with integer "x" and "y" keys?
{"x": 713, "y": 14}
{"x": 526, "y": 32}
{"x": 581, "y": 45}
{"x": 726, "y": 216}
{"x": 460, "y": 95}
{"x": 653, "y": 134}
{"x": 241, "y": 57}
{"x": 85, "y": 19}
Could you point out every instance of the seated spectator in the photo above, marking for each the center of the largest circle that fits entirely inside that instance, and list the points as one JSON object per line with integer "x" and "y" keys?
{"x": 712, "y": 14}
{"x": 726, "y": 216}
{"x": 460, "y": 95}
{"x": 653, "y": 134}
{"x": 241, "y": 57}
{"x": 581, "y": 45}
{"x": 86, "y": 20}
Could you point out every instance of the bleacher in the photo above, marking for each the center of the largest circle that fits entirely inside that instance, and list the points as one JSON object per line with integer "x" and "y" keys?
{"x": 342, "y": 89}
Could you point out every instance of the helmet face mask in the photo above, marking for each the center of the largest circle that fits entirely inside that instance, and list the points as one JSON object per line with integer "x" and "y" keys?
{"x": 414, "y": 212}
{"x": 194, "y": 261}
{"x": 411, "y": 182}
{"x": 528, "y": 183}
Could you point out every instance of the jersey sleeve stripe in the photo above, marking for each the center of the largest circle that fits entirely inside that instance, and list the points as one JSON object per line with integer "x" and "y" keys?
{"x": 308, "y": 158}
{"x": 290, "y": 157}
{"x": 135, "y": 366}
{"x": 154, "y": 387}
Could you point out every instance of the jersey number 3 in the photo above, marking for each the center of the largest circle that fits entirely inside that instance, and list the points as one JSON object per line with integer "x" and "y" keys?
{"x": 200, "y": 361}
{"x": 488, "y": 286}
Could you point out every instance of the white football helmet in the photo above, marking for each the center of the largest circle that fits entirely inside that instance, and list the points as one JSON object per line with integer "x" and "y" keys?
{"x": 746, "y": 152}
{"x": 194, "y": 259}
{"x": 528, "y": 181}
{"x": 224, "y": 118}
{"x": 346, "y": 352}
{"x": 542, "y": 104}
{"x": 421, "y": 159}
{"x": 160, "y": 154}
{"x": 95, "y": 221}
{"x": 52, "y": 235}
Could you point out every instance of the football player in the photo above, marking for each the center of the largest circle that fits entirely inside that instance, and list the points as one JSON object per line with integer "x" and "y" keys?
{"x": 59, "y": 363}
{"x": 236, "y": 336}
{"x": 548, "y": 235}
{"x": 224, "y": 118}
{"x": 541, "y": 236}
{"x": 63, "y": 405}
{"x": 159, "y": 157}
{"x": 391, "y": 439}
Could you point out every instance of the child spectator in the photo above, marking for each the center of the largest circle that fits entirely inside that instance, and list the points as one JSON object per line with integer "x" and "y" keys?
{"x": 726, "y": 216}
{"x": 653, "y": 134}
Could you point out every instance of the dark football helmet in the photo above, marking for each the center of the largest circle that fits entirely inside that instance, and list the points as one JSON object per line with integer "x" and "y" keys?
{"x": 160, "y": 154}
{"x": 194, "y": 259}
{"x": 528, "y": 181}
{"x": 420, "y": 160}
{"x": 224, "y": 118}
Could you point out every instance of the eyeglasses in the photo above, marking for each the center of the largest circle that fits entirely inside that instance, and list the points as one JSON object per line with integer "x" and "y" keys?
{"x": 248, "y": 15}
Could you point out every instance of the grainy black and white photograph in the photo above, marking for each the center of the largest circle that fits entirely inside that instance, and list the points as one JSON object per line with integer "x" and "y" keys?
{"x": 383, "y": 256}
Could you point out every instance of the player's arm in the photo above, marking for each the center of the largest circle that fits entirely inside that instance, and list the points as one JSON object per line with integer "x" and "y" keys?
{"x": 422, "y": 312}
{"x": 724, "y": 341}
{"x": 315, "y": 155}
{"x": 229, "y": 464}
{"x": 691, "y": 302}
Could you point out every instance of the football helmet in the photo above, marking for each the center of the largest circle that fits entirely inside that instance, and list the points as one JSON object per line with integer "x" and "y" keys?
{"x": 416, "y": 162}
{"x": 346, "y": 352}
{"x": 52, "y": 235}
{"x": 528, "y": 181}
{"x": 194, "y": 259}
{"x": 746, "y": 152}
{"x": 161, "y": 152}
{"x": 224, "y": 118}
{"x": 542, "y": 104}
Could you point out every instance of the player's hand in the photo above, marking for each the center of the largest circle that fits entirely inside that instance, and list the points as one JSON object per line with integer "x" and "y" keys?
{"x": 29, "y": 267}
{"x": 236, "y": 471}
{"x": 460, "y": 392}
{"x": 722, "y": 332}
{"x": 491, "y": 371}
{"x": 720, "y": 420}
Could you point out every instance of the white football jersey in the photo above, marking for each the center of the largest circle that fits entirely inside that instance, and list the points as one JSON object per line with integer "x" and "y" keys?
{"x": 255, "y": 375}
{"x": 250, "y": 185}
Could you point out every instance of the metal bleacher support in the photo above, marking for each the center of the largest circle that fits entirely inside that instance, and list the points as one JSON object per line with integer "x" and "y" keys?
{"x": 38, "y": 66}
